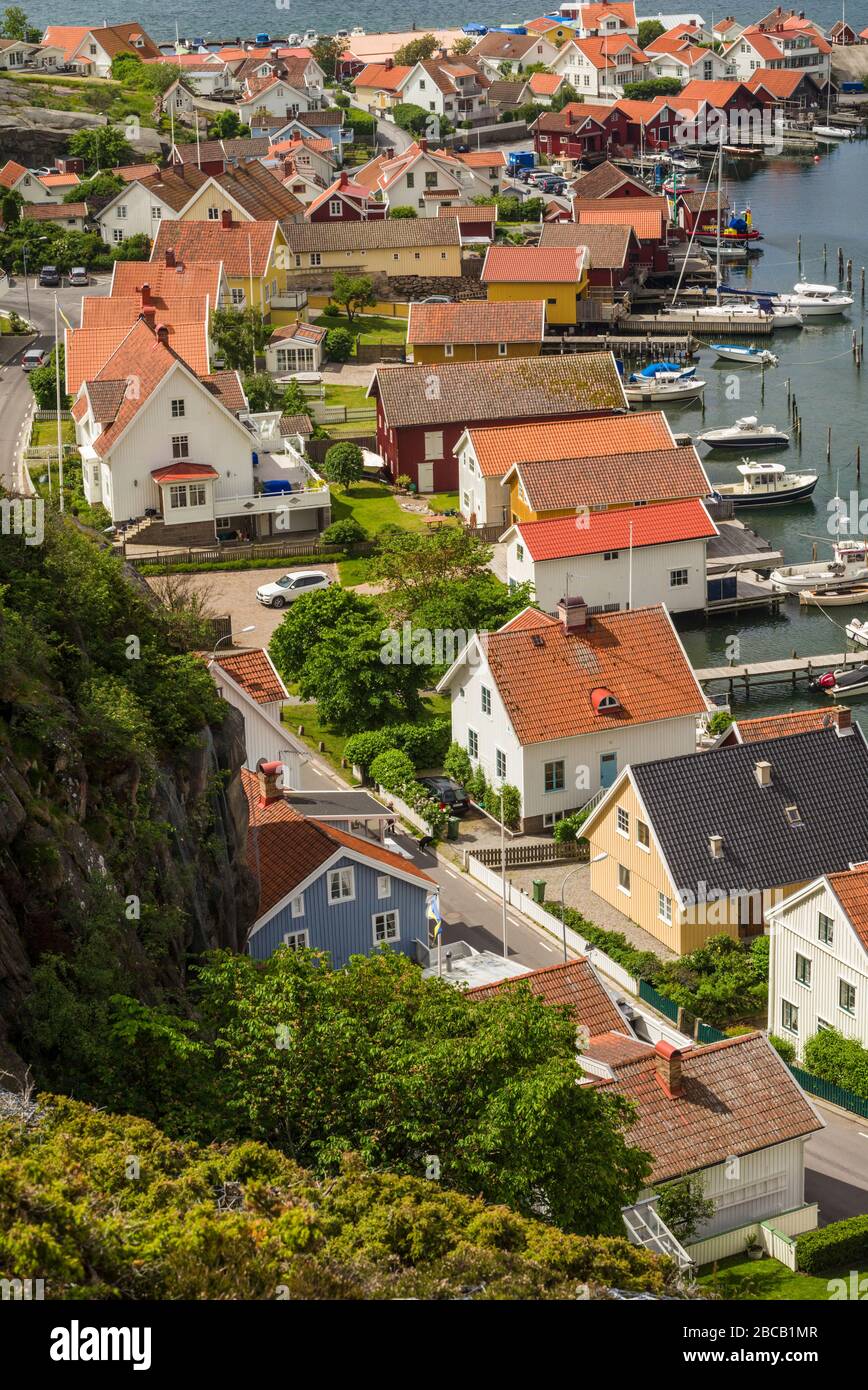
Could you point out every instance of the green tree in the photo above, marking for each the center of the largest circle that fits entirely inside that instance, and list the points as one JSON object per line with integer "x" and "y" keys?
{"x": 43, "y": 382}
{"x": 354, "y": 687}
{"x": 238, "y": 334}
{"x": 133, "y": 248}
{"x": 103, "y": 148}
{"x": 649, "y": 30}
{"x": 403, "y": 210}
{"x": 338, "y": 344}
{"x": 417, "y": 50}
{"x": 327, "y": 52}
{"x": 308, "y": 619}
{"x": 652, "y": 87}
{"x": 344, "y": 464}
{"x": 683, "y": 1206}
{"x": 262, "y": 392}
{"x": 13, "y": 25}
{"x": 95, "y": 191}
{"x": 11, "y": 204}
{"x": 410, "y": 117}
{"x": 463, "y": 45}
{"x": 294, "y": 401}
{"x": 352, "y": 292}
{"x": 227, "y": 125}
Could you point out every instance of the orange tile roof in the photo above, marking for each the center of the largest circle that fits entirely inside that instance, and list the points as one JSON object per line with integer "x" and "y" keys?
{"x": 477, "y": 321}
{"x": 498, "y": 448}
{"x": 716, "y": 93}
{"x": 760, "y": 43}
{"x": 547, "y": 677}
{"x": 253, "y": 671}
{"x": 603, "y": 52}
{"x": 591, "y": 15}
{"x": 664, "y": 475}
{"x": 737, "y": 1098}
{"x": 484, "y": 159}
{"x": 573, "y": 984}
{"x": 54, "y": 212}
{"x": 561, "y": 537}
{"x": 545, "y": 84}
{"x": 130, "y": 172}
{"x": 778, "y": 82}
{"x": 647, "y": 222}
{"x": 377, "y": 76}
{"x": 11, "y": 173}
{"x": 184, "y": 473}
{"x": 525, "y": 265}
{"x": 284, "y": 847}
{"x": 168, "y": 284}
{"x": 87, "y": 349}
{"x": 141, "y": 358}
{"x": 59, "y": 180}
{"x": 851, "y": 889}
{"x": 795, "y": 722}
{"x": 240, "y": 246}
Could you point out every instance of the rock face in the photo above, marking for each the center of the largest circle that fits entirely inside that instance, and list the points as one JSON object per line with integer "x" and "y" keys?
{"x": 35, "y": 135}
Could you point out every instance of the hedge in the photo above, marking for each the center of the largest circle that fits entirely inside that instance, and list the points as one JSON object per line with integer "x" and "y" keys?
{"x": 842, "y": 1243}
{"x": 424, "y": 744}
{"x": 206, "y": 566}
{"x": 842, "y": 1061}
{"x": 394, "y": 772}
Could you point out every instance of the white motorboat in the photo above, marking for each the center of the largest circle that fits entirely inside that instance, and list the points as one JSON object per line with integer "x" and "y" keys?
{"x": 657, "y": 390}
{"x": 745, "y": 433}
{"x": 847, "y": 680}
{"x": 857, "y": 632}
{"x": 767, "y": 485}
{"x": 832, "y": 132}
{"x": 815, "y": 301}
{"x": 748, "y": 356}
{"x": 848, "y": 565}
{"x": 834, "y": 598}
{"x": 737, "y": 313}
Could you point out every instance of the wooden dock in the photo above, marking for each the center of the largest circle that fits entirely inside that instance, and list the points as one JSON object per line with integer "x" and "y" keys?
{"x": 790, "y": 670}
{"x": 671, "y": 344}
{"x": 723, "y": 327}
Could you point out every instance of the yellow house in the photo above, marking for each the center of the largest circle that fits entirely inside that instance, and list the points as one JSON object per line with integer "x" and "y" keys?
{"x": 552, "y": 29}
{"x": 424, "y": 246}
{"x": 255, "y": 260}
{"x": 557, "y": 274}
{"x": 707, "y": 844}
{"x": 473, "y": 331}
{"x": 378, "y": 85}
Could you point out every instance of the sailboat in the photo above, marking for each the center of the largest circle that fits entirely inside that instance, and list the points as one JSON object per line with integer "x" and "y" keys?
{"x": 829, "y": 131}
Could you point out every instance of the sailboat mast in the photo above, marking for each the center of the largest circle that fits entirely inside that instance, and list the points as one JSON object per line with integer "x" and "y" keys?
{"x": 719, "y": 194}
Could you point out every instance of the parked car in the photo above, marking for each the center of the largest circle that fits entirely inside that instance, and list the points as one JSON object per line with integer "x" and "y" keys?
{"x": 461, "y": 149}
{"x": 445, "y": 790}
{"x": 78, "y": 276}
{"x": 33, "y": 358}
{"x": 434, "y": 299}
{"x": 290, "y": 586}
{"x": 49, "y": 276}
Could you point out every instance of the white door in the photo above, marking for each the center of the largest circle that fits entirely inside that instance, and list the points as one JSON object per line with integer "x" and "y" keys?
{"x": 426, "y": 477}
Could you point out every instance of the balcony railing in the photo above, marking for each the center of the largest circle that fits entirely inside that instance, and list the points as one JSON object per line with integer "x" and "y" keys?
{"x": 288, "y": 299}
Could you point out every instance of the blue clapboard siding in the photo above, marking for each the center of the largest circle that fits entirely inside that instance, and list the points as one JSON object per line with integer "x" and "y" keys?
{"x": 346, "y": 929}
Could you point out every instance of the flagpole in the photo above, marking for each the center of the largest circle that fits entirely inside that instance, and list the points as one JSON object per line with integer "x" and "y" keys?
{"x": 57, "y": 399}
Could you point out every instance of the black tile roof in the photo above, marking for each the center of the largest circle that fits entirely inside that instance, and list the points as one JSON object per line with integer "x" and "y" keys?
{"x": 691, "y": 798}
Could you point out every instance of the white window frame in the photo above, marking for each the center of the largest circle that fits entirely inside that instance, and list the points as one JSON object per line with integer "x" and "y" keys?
{"x": 448, "y": 350}
{"x": 822, "y": 919}
{"x": 643, "y": 844}
{"x": 622, "y": 822}
{"x": 472, "y": 743}
{"x": 391, "y": 932}
{"x": 345, "y": 874}
{"x": 679, "y": 578}
{"x": 842, "y": 985}
{"x": 197, "y": 495}
{"x": 180, "y": 446}
{"x": 295, "y": 940}
{"x": 790, "y": 1011}
{"x": 384, "y": 886}
{"x": 501, "y": 349}
{"x": 177, "y": 495}
{"x": 664, "y": 908}
{"x": 559, "y": 784}
{"x": 806, "y": 960}
{"x": 296, "y": 906}
{"x": 500, "y": 764}
{"x": 213, "y": 214}
{"x": 179, "y": 408}
{"x": 624, "y": 887}
{"x": 485, "y": 699}
{"x": 336, "y": 207}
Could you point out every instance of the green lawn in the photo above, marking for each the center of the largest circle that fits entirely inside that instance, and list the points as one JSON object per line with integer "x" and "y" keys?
{"x": 369, "y": 328}
{"x": 353, "y": 397}
{"x": 356, "y": 570}
{"x": 742, "y": 1279}
{"x": 443, "y": 501}
{"x": 106, "y": 97}
{"x": 45, "y": 432}
{"x": 435, "y": 707}
{"x": 373, "y": 505}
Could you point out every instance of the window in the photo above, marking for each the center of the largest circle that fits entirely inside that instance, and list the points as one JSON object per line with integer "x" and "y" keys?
{"x": 156, "y": 213}
{"x": 554, "y": 779}
{"x": 823, "y": 1026}
{"x": 213, "y": 214}
{"x": 178, "y": 409}
{"x": 643, "y": 835}
{"x": 623, "y": 821}
{"x": 551, "y": 818}
{"x": 315, "y": 258}
{"x": 664, "y": 908}
{"x": 803, "y": 970}
{"x": 295, "y": 940}
{"x": 335, "y": 207}
{"x": 118, "y": 235}
{"x": 411, "y": 180}
{"x": 789, "y": 1017}
{"x": 826, "y": 931}
{"x": 846, "y": 997}
{"x": 448, "y": 350}
{"x": 677, "y": 579}
{"x": 122, "y": 211}
{"x": 431, "y": 180}
{"x": 623, "y": 878}
{"x": 296, "y": 906}
{"x": 472, "y": 743}
{"x": 485, "y": 699}
{"x": 342, "y": 885}
{"x": 180, "y": 446}
{"x": 197, "y": 495}
{"x": 433, "y": 444}
{"x": 237, "y": 297}
{"x": 500, "y": 764}
{"x": 384, "y": 886}
{"x": 610, "y": 554}
{"x": 177, "y": 495}
{"x": 501, "y": 349}
{"x": 519, "y": 553}
{"x": 385, "y": 927}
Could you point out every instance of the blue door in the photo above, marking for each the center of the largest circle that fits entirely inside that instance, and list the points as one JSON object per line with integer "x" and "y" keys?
{"x": 608, "y": 769}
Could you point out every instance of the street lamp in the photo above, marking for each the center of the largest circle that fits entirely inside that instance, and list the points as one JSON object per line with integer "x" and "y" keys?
{"x": 227, "y": 637}
{"x": 503, "y": 871}
{"x": 566, "y": 880}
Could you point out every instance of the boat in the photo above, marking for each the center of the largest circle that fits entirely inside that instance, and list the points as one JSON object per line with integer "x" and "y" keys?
{"x": 766, "y": 485}
{"x": 851, "y": 680}
{"x": 738, "y": 313}
{"x": 815, "y": 301}
{"x": 748, "y": 356}
{"x": 657, "y": 390}
{"x": 744, "y": 151}
{"x": 857, "y": 632}
{"x": 745, "y": 433}
{"x": 739, "y": 229}
{"x": 848, "y": 566}
{"x": 835, "y": 597}
{"x": 832, "y": 132}
{"x": 734, "y": 252}
{"x": 684, "y": 164}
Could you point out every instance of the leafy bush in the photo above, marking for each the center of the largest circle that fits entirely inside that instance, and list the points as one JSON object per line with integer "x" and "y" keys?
{"x": 343, "y": 464}
{"x": 569, "y": 827}
{"x": 783, "y": 1047}
{"x": 505, "y": 799}
{"x": 457, "y": 764}
{"x": 348, "y": 531}
{"x": 843, "y": 1061}
{"x": 424, "y": 744}
{"x": 338, "y": 344}
{"x": 393, "y": 770}
{"x": 842, "y": 1243}
{"x": 719, "y": 722}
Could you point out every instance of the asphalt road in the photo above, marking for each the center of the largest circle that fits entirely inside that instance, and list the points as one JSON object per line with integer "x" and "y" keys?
{"x": 836, "y": 1164}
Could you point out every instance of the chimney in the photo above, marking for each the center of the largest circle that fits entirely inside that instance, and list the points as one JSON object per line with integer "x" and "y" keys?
{"x": 842, "y": 720}
{"x": 390, "y": 152}
{"x": 763, "y": 773}
{"x": 669, "y": 1069}
{"x": 268, "y": 777}
{"x": 573, "y": 614}
{"x": 423, "y": 144}
{"x": 344, "y": 179}
{"x": 170, "y": 258}
{"x": 145, "y": 292}
{"x": 149, "y": 314}
{"x": 226, "y": 217}
{"x": 715, "y": 846}
{"x": 444, "y": 54}
{"x": 389, "y": 64}
{"x": 163, "y": 334}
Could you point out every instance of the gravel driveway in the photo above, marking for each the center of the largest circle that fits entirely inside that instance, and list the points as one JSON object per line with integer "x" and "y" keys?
{"x": 233, "y": 593}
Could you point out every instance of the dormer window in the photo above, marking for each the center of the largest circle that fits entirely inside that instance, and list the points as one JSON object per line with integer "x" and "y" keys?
{"x": 793, "y": 815}
{"x": 604, "y": 701}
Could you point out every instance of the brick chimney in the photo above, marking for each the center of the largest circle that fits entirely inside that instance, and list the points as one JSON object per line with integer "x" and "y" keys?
{"x": 268, "y": 777}
{"x": 163, "y": 334}
{"x": 668, "y": 1061}
{"x": 423, "y": 144}
{"x": 389, "y": 64}
{"x": 149, "y": 314}
{"x": 226, "y": 217}
{"x": 145, "y": 292}
{"x": 842, "y": 720}
{"x": 573, "y": 614}
{"x": 170, "y": 258}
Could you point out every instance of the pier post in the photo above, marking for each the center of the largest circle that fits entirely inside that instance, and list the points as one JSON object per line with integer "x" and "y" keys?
{"x": 840, "y": 264}
{"x": 849, "y": 276}
{"x": 858, "y": 460}
{"x": 828, "y": 445}
{"x": 862, "y": 284}
{"x": 825, "y": 256}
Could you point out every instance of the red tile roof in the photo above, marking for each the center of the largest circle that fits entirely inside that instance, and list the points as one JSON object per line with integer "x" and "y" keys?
{"x": 592, "y": 15}
{"x": 254, "y": 672}
{"x": 534, "y": 265}
{"x": 851, "y": 890}
{"x": 498, "y": 448}
{"x": 603, "y": 52}
{"x": 484, "y": 159}
{"x": 716, "y": 93}
{"x": 738, "y": 1097}
{"x": 477, "y": 321}
{"x": 140, "y": 358}
{"x": 545, "y": 84}
{"x": 614, "y": 1048}
{"x": 54, "y": 212}
{"x": 59, "y": 180}
{"x": 574, "y": 984}
{"x": 801, "y": 721}
{"x": 184, "y": 473}
{"x": 240, "y": 246}
{"x": 561, "y": 537}
{"x": 778, "y": 82}
{"x": 379, "y": 76}
{"x": 666, "y": 475}
{"x": 546, "y": 684}
{"x": 646, "y": 221}
{"x": 11, "y": 173}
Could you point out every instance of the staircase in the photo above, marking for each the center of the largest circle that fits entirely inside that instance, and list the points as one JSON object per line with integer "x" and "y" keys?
{"x": 648, "y": 1230}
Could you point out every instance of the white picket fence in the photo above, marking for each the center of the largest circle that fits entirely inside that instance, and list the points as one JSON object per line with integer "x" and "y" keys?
{"x": 776, "y": 1236}
{"x": 524, "y": 903}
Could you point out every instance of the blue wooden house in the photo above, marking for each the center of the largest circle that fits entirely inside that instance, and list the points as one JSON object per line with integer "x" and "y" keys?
{"x": 322, "y": 887}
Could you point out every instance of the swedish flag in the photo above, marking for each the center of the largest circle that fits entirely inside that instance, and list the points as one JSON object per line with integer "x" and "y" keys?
{"x": 433, "y": 915}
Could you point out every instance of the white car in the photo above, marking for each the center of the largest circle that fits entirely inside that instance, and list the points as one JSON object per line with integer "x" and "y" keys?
{"x": 290, "y": 586}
